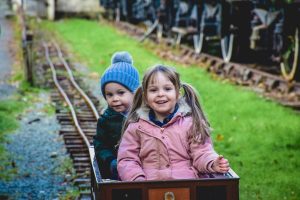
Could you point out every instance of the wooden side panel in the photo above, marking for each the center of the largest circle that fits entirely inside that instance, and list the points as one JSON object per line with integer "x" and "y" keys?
{"x": 169, "y": 194}
{"x": 212, "y": 193}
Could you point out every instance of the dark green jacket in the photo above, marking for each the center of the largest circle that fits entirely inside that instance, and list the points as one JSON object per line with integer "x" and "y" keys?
{"x": 108, "y": 134}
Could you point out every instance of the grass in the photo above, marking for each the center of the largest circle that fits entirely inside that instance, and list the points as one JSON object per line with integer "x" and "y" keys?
{"x": 9, "y": 110}
{"x": 66, "y": 168}
{"x": 260, "y": 138}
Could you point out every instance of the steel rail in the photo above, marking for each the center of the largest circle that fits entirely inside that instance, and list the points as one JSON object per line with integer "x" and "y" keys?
{"x": 83, "y": 94}
{"x": 65, "y": 96}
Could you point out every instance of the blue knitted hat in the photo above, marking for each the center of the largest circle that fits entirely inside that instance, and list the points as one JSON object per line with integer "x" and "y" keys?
{"x": 121, "y": 71}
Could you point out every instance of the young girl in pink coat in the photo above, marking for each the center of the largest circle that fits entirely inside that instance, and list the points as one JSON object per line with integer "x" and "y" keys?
{"x": 166, "y": 135}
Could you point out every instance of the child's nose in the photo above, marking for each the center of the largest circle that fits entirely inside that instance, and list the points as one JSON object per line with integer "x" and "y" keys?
{"x": 115, "y": 98}
{"x": 160, "y": 92}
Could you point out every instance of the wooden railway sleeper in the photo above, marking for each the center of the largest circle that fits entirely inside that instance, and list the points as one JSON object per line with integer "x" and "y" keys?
{"x": 257, "y": 79}
{"x": 271, "y": 84}
{"x": 228, "y": 68}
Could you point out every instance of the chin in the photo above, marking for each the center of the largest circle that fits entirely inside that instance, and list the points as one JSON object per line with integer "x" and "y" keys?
{"x": 167, "y": 112}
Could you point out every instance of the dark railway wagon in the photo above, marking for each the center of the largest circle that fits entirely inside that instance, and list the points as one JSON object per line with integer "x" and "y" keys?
{"x": 213, "y": 187}
{"x": 259, "y": 31}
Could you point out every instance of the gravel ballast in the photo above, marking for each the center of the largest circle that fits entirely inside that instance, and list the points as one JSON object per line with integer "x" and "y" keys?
{"x": 38, "y": 153}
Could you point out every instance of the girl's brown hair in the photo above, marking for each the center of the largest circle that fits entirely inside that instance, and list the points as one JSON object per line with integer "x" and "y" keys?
{"x": 200, "y": 128}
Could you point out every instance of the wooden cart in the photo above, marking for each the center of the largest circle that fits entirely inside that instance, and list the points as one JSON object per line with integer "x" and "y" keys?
{"x": 214, "y": 187}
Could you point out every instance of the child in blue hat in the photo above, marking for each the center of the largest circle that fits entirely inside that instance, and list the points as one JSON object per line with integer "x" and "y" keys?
{"x": 118, "y": 84}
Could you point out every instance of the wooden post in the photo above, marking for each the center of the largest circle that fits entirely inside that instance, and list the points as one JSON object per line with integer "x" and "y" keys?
{"x": 28, "y": 57}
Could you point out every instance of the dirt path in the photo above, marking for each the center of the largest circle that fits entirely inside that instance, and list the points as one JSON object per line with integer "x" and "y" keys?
{"x": 6, "y": 59}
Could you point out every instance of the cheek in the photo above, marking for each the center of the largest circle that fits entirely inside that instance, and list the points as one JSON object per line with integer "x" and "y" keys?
{"x": 147, "y": 99}
{"x": 177, "y": 95}
{"x": 130, "y": 98}
{"x": 108, "y": 101}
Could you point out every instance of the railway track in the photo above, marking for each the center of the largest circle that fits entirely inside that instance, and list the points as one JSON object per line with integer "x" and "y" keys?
{"x": 77, "y": 115}
{"x": 271, "y": 86}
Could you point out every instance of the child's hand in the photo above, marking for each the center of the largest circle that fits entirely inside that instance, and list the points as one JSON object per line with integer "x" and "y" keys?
{"x": 220, "y": 165}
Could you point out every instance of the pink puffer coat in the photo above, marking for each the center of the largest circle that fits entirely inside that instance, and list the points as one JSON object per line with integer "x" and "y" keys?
{"x": 150, "y": 152}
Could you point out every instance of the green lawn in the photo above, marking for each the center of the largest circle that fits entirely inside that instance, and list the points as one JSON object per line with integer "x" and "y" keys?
{"x": 260, "y": 138}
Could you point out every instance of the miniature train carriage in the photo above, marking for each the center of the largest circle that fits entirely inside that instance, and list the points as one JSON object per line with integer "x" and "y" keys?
{"x": 214, "y": 187}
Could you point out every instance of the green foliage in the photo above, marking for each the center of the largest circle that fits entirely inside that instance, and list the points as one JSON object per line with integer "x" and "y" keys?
{"x": 7, "y": 169}
{"x": 71, "y": 194}
{"x": 260, "y": 138}
{"x": 9, "y": 110}
{"x": 66, "y": 169}
{"x": 49, "y": 109}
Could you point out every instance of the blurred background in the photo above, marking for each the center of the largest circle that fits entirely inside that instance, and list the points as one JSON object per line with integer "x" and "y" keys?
{"x": 242, "y": 56}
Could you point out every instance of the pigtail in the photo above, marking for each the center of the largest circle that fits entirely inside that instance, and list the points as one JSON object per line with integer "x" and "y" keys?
{"x": 201, "y": 128}
{"x": 136, "y": 104}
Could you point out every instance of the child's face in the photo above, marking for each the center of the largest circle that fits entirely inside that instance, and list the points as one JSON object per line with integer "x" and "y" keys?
{"x": 161, "y": 96}
{"x": 118, "y": 97}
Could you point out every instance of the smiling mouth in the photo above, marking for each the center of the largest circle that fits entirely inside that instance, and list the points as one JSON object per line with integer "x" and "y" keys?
{"x": 118, "y": 106}
{"x": 161, "y": 102}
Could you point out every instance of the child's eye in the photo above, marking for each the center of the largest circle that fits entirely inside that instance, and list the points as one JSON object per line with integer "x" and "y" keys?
{"x": 121, "y": 92}
{"x": 108, "y": 95}
{"x": 168, "y": 88}
{"x": 152, "y": 90}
